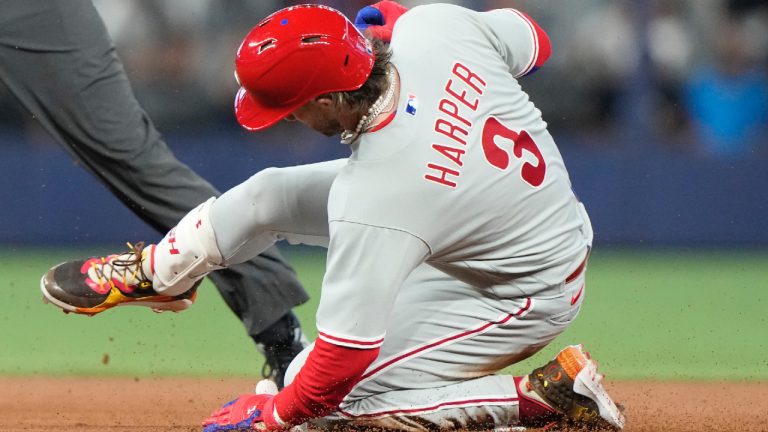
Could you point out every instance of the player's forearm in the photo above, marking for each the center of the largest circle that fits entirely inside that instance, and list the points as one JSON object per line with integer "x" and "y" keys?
{"x": 328, "y": 375}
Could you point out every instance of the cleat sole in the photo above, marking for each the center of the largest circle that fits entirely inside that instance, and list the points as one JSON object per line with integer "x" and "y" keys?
{"x": 167, "y": 304}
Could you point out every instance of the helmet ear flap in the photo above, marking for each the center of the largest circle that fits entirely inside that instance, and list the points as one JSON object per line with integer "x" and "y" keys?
{"x": 296, "y": 54}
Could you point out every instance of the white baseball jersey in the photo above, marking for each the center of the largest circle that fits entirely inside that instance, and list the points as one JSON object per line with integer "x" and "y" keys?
{"x": 465, "y": 178}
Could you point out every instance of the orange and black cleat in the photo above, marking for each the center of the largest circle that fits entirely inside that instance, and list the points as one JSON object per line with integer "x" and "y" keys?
{"x": 571, "y": 384}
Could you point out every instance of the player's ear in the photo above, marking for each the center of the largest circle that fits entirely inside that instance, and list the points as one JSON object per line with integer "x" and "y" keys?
{"x": 325, "y": 100}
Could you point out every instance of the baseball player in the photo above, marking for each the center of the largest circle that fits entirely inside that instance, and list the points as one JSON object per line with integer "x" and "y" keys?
{"x": 57, "y": 58}
{"x": 455, "y": 244}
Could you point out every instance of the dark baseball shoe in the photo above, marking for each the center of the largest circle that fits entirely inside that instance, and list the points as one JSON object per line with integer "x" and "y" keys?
{"x": 286, "y": 341}
{"x": 93, "y": 285}
{"x": 571, "y": 384}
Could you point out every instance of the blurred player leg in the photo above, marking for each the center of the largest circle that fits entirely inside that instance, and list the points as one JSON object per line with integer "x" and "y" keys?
{"x": 57, "y": 58}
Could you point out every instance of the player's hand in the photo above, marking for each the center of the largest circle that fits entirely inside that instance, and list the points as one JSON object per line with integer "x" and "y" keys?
{"x": 246, "y": 413}
{"x": 377, "y": 20}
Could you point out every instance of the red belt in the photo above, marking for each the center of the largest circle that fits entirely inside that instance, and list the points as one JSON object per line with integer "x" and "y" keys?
{"x": 579, "y": 270}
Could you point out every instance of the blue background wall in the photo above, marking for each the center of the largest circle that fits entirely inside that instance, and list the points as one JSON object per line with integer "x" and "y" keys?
{"x": 611, "y": 106}
{"x": 650, "y": 197}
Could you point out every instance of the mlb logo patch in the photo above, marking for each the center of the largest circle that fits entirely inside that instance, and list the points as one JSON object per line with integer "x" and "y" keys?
{"x": 412, "y": 105}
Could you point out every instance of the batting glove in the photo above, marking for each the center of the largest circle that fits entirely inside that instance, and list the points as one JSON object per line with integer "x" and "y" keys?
{"x": 246, "y": 413}
{"x": 377, "y": 20}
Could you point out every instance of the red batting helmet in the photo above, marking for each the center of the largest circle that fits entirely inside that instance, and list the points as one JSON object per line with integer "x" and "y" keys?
{"x": 294, "y": 55}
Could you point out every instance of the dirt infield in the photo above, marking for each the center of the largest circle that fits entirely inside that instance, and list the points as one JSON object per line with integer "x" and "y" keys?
{"x": 166, "y": 404}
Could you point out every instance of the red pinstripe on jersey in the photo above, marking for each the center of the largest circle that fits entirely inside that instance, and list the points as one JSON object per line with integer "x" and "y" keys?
{"x": 349, "y": 342}
{"x": 384, "y": 122}
{"x": 399, "y": 358}
{"x": 421, "y": 410}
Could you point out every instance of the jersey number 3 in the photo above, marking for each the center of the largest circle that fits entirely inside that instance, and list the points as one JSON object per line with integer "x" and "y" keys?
{"x": 521, "y": 141}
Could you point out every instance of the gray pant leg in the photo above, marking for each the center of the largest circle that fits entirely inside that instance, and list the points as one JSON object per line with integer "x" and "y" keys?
{"x": 57, "y": 58}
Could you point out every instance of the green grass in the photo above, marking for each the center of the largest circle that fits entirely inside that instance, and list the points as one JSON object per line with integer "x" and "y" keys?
{"x": 648, "y": 315}
{"x": 676, "y": 315}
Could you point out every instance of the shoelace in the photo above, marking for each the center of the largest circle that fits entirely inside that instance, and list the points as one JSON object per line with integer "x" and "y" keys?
{"x": 126, "y": 267}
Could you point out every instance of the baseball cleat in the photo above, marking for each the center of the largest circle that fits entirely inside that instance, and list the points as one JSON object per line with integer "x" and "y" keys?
{"x": 93, "y": 285}
{"x": 280, "y": 354}
{"x": 571, "y": 384}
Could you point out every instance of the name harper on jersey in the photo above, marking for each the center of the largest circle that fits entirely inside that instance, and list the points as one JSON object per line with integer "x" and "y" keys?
{"x": 463, "y": 92}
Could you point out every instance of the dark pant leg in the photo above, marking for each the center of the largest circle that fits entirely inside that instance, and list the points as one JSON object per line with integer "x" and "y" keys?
{"x": 57, "y": 58}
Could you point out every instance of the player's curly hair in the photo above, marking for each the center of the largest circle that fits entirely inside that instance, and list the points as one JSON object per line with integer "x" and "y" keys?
{"x": 376, "y": 84}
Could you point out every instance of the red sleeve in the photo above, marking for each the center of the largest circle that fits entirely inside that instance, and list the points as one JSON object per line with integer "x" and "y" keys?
{"x": 328, "y": 375}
